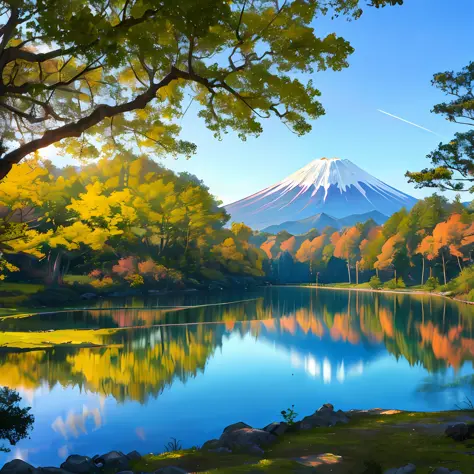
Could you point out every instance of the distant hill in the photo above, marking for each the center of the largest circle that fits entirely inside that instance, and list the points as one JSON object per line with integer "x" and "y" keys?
{"x": 322, "y": 220}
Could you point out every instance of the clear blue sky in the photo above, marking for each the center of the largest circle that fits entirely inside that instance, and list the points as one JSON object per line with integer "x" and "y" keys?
{"x": 397, "y": 51}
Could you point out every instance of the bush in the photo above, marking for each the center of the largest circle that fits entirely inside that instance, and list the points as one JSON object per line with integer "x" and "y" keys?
{"x": 432, "y": 283}
{"x": 375, "y": 282}
{"x": 393, "y": 284}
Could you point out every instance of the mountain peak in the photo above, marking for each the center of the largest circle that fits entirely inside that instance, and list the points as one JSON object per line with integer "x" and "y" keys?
{"x": 335, "y": 186}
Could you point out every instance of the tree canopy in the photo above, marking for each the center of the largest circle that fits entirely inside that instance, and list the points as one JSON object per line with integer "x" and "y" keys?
{"x": 101, "y": 73}
{"x": 452, "y": 164}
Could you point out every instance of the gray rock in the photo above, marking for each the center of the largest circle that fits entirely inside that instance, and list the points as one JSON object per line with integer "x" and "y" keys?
{"x": 78, "y": 464}
{"x": 276, "y": 429}
{"x": 458, "y": 431}
{"x": 114, "y": 460}
{"x": 441, "y": 470}
{"x": 324, "y": 416}
{"x": 254, "y": 449}
{"x": 245, "y": 437}
{"x": 456, "y": 472}
{"x": 17, "y": 466}
{"x": 125, "y": 472}
{"x": 220, "y": 450}
{"x": 209, "y": 445}
{"x": 51, "y": 470}
{"x": 171, "y": 470}
{"x": 134, "y": 456}
{"x": 408, "y": 469}
{"x": 236, "y": 426}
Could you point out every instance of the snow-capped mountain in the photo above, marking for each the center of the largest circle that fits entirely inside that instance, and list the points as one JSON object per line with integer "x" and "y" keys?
{"x": 334, "y": 186}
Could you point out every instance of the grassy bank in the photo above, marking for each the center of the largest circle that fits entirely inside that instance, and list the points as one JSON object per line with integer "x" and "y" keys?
{"x": 369, "y": 444}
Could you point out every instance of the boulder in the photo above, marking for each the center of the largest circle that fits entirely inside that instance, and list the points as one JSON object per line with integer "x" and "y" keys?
{"x": 171, "y": 470}
{"x": 236, "y": 426}
{"x": 324, "y": 416}
{"x": 220, "y": 450}
{"x": 408, "y": 469}
{"x": 17, "y": 466}
{"x": 210, "y": 445}
{"x": 134, "y": 456}
{"x": 245, "y": 437}
{"x": 276, "y": 429}
{"x": 51, "y": 470}
{"x": 441, "y": 470}
{"x": 255, "y": 450}
{"x": 458, "y": 431}
{"x": 113, "y": 460}
{"x": 78, "y": 464}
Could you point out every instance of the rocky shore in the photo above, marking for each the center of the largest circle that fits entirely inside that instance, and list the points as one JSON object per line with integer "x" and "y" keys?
{"x": 240, "y": 441}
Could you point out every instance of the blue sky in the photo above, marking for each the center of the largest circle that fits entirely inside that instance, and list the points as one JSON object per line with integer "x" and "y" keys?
{"x": 397, "y": 51}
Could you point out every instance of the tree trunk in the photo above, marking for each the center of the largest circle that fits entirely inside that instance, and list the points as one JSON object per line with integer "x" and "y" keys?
{"x": 395, "y": 274}
{"x": 459, "y": 263}
{"x": 423, "y": 271}
{"x": 444, "y": 266}
{"x": 431, "y": 272}
{"x": 55, "y": 272}
{"x": 357, "y": 273}
{"x": 349, "y": 270}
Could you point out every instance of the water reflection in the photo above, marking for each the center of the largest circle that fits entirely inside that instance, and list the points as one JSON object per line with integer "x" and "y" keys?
{"x": 330, "y": 333}
{"x": 329, "y": 338}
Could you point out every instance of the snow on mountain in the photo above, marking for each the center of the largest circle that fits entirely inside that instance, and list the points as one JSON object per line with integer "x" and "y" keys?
{"x": 334, "y": 186}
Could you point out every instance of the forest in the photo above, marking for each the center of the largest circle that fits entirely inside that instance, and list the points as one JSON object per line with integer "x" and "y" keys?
{"x": 130, "y": 223}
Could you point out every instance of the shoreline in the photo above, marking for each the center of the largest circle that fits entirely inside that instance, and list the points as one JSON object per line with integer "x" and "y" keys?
{"x": 388, "y": 291}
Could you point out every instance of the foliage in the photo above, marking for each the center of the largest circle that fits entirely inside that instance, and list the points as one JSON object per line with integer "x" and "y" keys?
{"x": 86, "y": 76}
{"x": 452, "y": 164}
{"x": 289, "y": 415}
{"x": 15, "y": 422}
{"x": 375, "y": 282}
{"x": 432, "y": 283}
{"x": 395, "y": 283}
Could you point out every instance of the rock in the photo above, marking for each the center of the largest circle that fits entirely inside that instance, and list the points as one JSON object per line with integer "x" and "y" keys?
{"x": 324, "y": 416}
{"x": 17, "y": 466}
{"x": 236, "y": 426}
{"x": 78, "y": 464}
{"x": 458, "y": 431}
{"x": 254, "y": 449}
{"x": 276, "y": 429}
{"x": 51, "y": 470}
{"x": 88, "y": 296}
{"x": 114, "y": 460}
{"x": 220, "y": 450}
{"x": 171, "y": 470}
{"x": 408, "y": 469}
{"x": 210, "y": 445}
{"x": 134, "y": 456}
{"x": 245, "y": 437}
{"x": 441, "y": 470}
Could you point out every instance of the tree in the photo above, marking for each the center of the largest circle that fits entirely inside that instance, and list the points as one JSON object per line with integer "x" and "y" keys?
{"x": 15, "y": 422}
{"x": 94, "y": 74}
{"x": 347, "y": 247}
{"x": 452, "y": 164}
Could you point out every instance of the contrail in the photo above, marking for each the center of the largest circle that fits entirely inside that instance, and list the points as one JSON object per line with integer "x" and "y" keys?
{"x": 406, "y": 121}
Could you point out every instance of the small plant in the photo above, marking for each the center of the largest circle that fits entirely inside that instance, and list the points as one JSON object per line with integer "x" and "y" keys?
{"x": 375, "y": 283}
{"x": 173, "y": 445}
{"x": 432, "y": 283}
{"x": 289, "y": 415}
{"x": 468, "y": 405}
{"x": 393, "y": 284}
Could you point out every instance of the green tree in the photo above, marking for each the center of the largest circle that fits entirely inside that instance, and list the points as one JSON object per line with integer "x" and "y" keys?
{"x": 452, "y": 164}
{"x": 15, "y": 421}
{"x": 97, "y": 73}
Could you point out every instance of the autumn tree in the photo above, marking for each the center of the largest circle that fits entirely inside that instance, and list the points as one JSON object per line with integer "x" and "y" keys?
{"x": 452, "y": 164}
{"x": 347, "y": 247}
{"x": 88, "y": 74}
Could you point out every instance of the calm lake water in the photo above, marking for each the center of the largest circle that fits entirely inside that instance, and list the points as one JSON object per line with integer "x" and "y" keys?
{"x": 189, "y": 372}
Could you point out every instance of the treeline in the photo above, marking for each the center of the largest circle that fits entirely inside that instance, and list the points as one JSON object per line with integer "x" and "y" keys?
{"x": 431, "y": 242}
{"x": 123, "y": 220}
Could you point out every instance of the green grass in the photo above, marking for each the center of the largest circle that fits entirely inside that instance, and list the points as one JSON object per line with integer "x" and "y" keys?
{"x": 23, "y": 288}
{"x": 82, "y": 279}
{"x": 390, "y": 440}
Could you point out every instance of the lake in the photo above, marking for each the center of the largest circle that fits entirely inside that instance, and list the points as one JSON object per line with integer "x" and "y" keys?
{"x": 188, "y": 372}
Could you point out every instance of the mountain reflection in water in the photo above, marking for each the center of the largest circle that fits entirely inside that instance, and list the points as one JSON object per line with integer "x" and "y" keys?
{"x": 322, "y": 337}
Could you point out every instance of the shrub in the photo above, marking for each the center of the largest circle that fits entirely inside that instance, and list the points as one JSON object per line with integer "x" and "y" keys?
{"x": 105, "y": 282}
{"x": 432, "y": 283}
{"x": 289, "y": 415}
{"x": 375, "y": 282}
{"x": 393, "y": 284}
